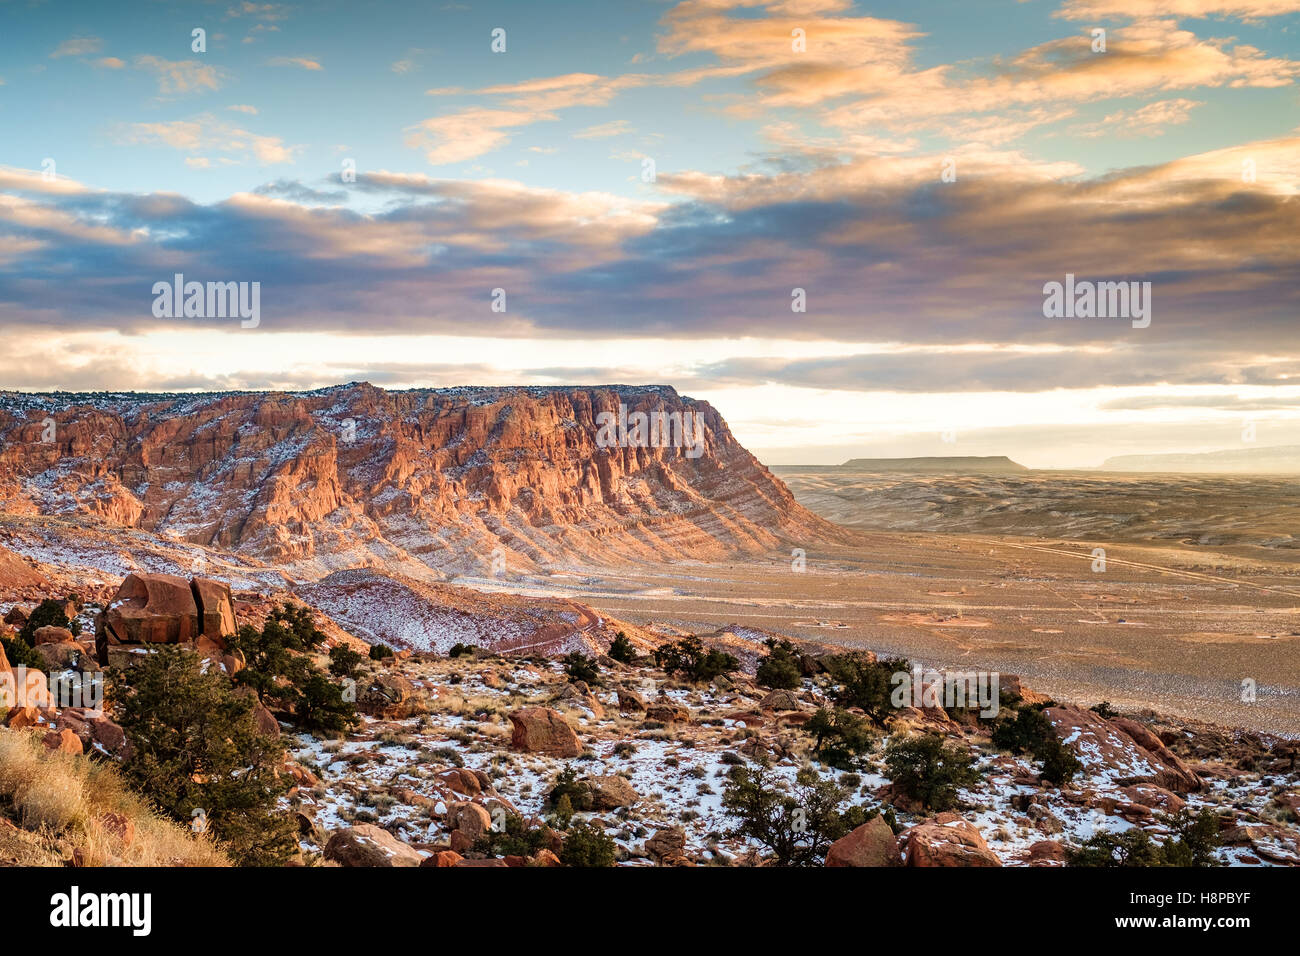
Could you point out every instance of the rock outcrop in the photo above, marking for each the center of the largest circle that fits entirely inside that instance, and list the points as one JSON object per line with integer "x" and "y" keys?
{"x": 474, "y": 480}
{"x": 947, "y": 840}
{"x": 1121, "y": 751}
{"x": 542, "y": 730}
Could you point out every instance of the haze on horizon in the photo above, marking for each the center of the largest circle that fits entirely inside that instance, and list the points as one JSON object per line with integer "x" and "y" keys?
{"x": 380, "y": 177}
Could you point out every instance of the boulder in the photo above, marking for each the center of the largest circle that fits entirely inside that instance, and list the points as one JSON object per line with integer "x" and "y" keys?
{"x": 1154, "y": 798}
{"x": 665, "y": 711}
{"x": 1047, "y": 851}
{"x": 109, "y": 735}
{"x": 442, "y": 858}
{"x": 369, "y": 845}
{"x": 630, "y": 702}
{"x": 267, "y": 725}
{"x": 60, "y": 656}
{"x": 542, "y": 730}
{"x": 947, "y": 840}
{"x": 780, "y": 700}
{"x": 667, "y": 846}
{"x": 17, "y": 616}
{"x": 216, "y": 610}
{"x": 872, "y": 844}
{"x": 49, "y": 634}
{"x": 63, "y": 740}
{"x": 389, "y": 696}
{"x": 152, "y": 609}
{"x": 611, "y": 792}
{"x": 469, "y": 819}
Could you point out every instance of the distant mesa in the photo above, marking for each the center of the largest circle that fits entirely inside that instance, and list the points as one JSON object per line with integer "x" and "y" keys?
{"x": 1275, "y": 459}
{"x": 957, "y": 464}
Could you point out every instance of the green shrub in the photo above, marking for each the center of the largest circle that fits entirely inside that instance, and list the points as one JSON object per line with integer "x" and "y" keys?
{"x": 344, "y": 661}
{"x": 514, "y": 838}
{"x": 796, "y": 826}
{"x": 587, "y": 846}
{"x": 197, "y": 753}
{"x": 858, "y": 681}
{"x": 579, "y": 666}
{"x": 923, "y": 769}
{"x": 689, "y": 658}
{"x": 1028, "y": 730}
{"x": 840, "y": 738}
{"x": 621, "y": 649}
{"x": 458, "y": 650}
{"x": 780, "y": 669}
{"x": 379, "y": 652}
{"x": 19, "y": 652}
{"x": 1192, "y": 841}
{"x": 48, "y": 613}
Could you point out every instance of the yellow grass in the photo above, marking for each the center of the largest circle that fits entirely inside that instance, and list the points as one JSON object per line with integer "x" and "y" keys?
{"x": 59, "y": 802}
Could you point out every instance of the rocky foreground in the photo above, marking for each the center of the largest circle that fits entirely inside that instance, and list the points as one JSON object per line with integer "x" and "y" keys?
{"x": 450, "y": 748}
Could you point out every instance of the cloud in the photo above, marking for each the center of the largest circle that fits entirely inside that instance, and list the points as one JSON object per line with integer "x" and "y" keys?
{"x": 259, "y": 11}
{"x": 298, "y": 61}
{"x": 1141, "y": 9}
{"x": 180, "y": 76}
{"x": 1148, "y": 120}
{"x": 243, "y": 108}
{"x": 206, "y": 133}
{"x": 605, "y": 130}
{"x": 110, "y": 63}
{"x": 77, "y": 46}
{"x": 456, "y": 137}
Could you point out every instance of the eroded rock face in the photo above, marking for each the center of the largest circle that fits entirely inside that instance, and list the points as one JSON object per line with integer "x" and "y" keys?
{"x": 443, "y": 476}
{"x": 1121, "y": 750}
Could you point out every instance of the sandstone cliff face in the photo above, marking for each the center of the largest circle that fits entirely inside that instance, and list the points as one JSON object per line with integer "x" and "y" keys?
{"x": 464, "y": 480}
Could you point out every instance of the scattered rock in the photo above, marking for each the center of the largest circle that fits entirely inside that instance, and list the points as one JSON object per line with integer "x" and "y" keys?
{"x": 369, "y": 845}
{"x": 872, "y": 844}
{"x": 542, "y": 730}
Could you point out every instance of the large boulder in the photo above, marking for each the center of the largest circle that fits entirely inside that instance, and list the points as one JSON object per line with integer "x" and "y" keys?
{"x": 541, "y": 730}
{"x": 947, "y": 840}
{"x": 152, "y": 609}
{"x": 389, "y": 696}
{"x": 49, "y": 634}
{"x": 872, "y": 844}
{"x": 216, "y": 610}
{"x": 369, "y": 845}
{"x": 17, "y": 616}
{"x": 1121, "y": 751}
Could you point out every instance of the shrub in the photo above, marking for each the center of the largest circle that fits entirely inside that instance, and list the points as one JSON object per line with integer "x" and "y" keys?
{"x": 379, "y": 652}
{"x": 344, "y": 661}
{"x": 621, "y": 649}
{"x": 457, "y": 650}
{"x": 48, "y": 613}
{"x": 19, "y": 652}
{"x": 580, "y": 667}
{"x": 796, "y": 827}
{"x": 858, "y": 681}
{"x": 195, "y": 749}
{"x": 780, "y": 669}
{"x": 689, "y": 658}
{"x": 513, "y": 839}
{"x": 320, "y": 706}
{"x": 923, "y": 769}
{"x": 1029, "y": 731}
{"x": 840, "y": 738}
{"x": 1193, "y": 838}
{"x": 587, "y": 846}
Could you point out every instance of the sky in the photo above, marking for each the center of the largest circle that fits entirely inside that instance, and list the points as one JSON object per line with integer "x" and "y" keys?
{"x": 835, "y": 221}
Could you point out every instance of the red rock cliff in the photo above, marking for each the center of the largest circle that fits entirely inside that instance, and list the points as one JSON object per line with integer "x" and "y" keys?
{"x": 356, "y": 475}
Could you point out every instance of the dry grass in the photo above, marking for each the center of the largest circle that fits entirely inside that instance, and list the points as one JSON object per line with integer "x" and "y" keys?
{"x": 63, "y": 801}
